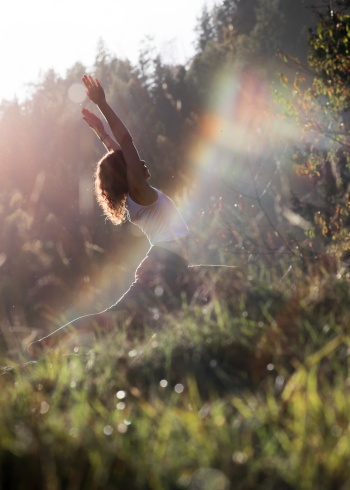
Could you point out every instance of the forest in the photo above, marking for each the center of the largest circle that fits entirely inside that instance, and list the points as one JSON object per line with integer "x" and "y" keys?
{"x": 251, "y": 139}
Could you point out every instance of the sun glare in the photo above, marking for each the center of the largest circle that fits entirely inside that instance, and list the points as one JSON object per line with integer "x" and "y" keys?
{"x": 241, "y": 113}
{"x": 39, "y": 35}
{"x": 76, "y": 93}
{"x": 241, "y": 120}
{"x": 232, "y": 153}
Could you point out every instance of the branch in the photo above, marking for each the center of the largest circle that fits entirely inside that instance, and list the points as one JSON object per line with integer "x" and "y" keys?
{"x": 275, "y": 229}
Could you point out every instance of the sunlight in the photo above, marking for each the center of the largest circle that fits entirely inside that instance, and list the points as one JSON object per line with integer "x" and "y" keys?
{"x": 236, "y": 126}
{"x": 231, "y": 154}
{"x": 241, "y": 122}
{"x": 55, "y": 35}
{"x": 241, "y": 117}
{"x": 76, "y": 93}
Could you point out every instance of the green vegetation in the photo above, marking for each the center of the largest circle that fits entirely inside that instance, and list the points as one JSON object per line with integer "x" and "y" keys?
{"x": 250, "y": 391}
{"x": 258, "y": 398}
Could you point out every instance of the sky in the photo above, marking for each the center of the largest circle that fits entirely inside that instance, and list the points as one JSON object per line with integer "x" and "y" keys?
{"x": 39, "y": 35}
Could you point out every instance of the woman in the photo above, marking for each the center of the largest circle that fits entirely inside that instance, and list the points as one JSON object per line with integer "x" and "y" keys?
{"x": 123, "y": 191}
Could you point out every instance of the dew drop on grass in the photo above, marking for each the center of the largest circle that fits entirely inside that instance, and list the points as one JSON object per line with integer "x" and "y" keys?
{"x": 279, "y": 382}
{"x": 158, "y": 291}
{"x": 121, "y": 394}
{"x": 270, "y": 367}
{"x": 120, "y": 406}
{"x": 108, "y": 430}
{"x": 163, "y": 383}
{"x": 133, "y": 353}
{"x": 44, "y": 407}
{"x": 179, "y": 388}
{"x": 122, "y": 428}
{"x": 239, "y": 457}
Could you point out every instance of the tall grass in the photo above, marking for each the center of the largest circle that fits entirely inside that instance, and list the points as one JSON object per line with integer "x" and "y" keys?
{"x": 251, "y": 392}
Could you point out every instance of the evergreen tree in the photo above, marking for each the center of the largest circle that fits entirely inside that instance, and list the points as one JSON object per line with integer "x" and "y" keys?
{"x": 205, "y": 30}
{"x": 321, "y": 107}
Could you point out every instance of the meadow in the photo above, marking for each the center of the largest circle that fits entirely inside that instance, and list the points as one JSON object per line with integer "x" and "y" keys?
{"x": 251, "y": 391}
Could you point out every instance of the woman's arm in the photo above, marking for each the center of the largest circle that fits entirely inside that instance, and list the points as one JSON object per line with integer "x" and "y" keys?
{"x": 96, "y": 125}
{"x": 139, "y": 189}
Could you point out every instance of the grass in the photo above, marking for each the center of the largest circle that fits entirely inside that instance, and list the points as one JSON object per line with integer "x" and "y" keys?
{"x": 251, "y": 393}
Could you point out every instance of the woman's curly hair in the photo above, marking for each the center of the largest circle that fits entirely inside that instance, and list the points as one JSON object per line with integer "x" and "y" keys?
{"x": 111, "y": 186}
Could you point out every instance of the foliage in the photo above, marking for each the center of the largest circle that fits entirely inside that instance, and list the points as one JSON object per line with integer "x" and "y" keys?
{"x": 320, "y": 105}
{"x": 254, "y": 399}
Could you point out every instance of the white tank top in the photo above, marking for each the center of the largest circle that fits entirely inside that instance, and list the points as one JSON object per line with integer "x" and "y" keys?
{"x": 161, "y": 221}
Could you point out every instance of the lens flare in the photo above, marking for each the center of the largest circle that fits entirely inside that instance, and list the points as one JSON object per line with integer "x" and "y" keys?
{"x": 76, "y": 93}
{"x": 241, "y": 118}
{"x": 236, "y": 155}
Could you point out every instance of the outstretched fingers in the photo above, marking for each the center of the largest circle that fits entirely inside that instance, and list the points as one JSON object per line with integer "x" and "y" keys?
{"x": 89, "y": 115}
{"x": 94, "y": 89}
{"x": 93, "y": 121}
{"x": 90, "y": 82}
{"x": 87, "y": 80}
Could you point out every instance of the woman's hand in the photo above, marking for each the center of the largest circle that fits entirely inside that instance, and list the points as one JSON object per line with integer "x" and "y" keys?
{"x": 94, "y": 122}
{"x": 94, "y": 89}
{"x": 96, "y": 125}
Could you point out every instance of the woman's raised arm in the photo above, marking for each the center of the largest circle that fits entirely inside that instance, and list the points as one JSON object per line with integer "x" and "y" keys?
{"x": 139, "y": 189}
{"x": 96, "y": 125}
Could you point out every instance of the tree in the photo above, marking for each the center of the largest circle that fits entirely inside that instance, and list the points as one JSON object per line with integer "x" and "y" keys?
{"x": 320, "y": 105}
{"x": 205, "y": 30}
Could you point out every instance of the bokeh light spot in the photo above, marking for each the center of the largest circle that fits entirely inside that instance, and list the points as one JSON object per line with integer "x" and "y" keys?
{"x": 76, "y": 93}
{"x": 122, "y": 428}
{"x": 108, "y": 430}
{"x": 44, "y": 407}
{"x": 179, "y": 388}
